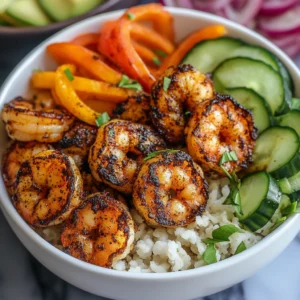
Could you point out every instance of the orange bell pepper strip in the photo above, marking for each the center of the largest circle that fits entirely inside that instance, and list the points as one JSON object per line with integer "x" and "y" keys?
{"x": 86, "y": 39}
{"x": 162, "y": 20}
{"x": 100, "y": 106}
{"x": 69, "y": 99}
{"x": 145, "y": 53}
{"x": 86, "y": 59}
{"x": 151, "y": 38}
{"x": 206, "y": 33}
{"x": 92, "y": 88}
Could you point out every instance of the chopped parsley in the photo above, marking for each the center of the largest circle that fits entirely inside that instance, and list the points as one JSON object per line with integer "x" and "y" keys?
{"x": 69, "y": 74}
{"x": 167, "y": 82}
{"x": 155, "y": 153}
{"x": 102, "y": 119}
{"x": 128, "y": 83}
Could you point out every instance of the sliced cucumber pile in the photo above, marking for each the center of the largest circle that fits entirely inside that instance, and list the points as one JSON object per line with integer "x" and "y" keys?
{"x": 255, "y": 103}
{"x": 260, "y": 198}
{"x": 42, "y": 12}
{"x": 254, "y": 74}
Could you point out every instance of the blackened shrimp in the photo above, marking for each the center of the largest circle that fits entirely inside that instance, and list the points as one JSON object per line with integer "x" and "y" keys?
{"x": 100, "y": 232}
{"x": 117, "y": 154}
{"x": 15, "y": 155}
{"x": 77, "y": 141}
{"x": 176, "y": 92}
{"x": 135, "y": 109}
{"x": 24, "y": 122}
{"x": 170, "y": 190}
{"x": 47, "y": 189}
{"x": 218, "y": 126}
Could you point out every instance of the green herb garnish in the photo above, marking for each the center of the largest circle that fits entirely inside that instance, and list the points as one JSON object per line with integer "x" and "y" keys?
{"x": 155, "y": 153}
{"x": 234, "y": 196}
{"x": 37, "y": 70}
{"x": 128, "y": 83}
{"x": 241, "y": 247}
{"x": 187, "y": 113}
{"x": 222, "y": 234}
{"x": 102, "y": 119}
{"x": 161, "y": 53}
{"x": 210, "y": 254}
{"x": 69, "y": 74}
{"x": 167, "y": 82}
{"x": 278, "y": 223}
{"x": 130, "y": 16}
{"x": 156, "y": 60}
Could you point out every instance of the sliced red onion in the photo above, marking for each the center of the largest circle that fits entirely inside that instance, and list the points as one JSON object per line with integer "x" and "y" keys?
{"x": 292, "y": 50}
{"x": 185, "y": 3}
{"x": 289, "y": 22}
{"x": 276, "y": 7}
{"x": 246, "y": 14}
{"x": 285, "y": 41}
{"x": 211, "y": 5}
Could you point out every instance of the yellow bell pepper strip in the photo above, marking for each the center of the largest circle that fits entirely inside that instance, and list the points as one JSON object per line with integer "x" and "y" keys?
{"x": 206, "y": 33}
{"x": 92, "y": 88}
{"x": 86, "y": 59}
{"x": 69, "y": 99}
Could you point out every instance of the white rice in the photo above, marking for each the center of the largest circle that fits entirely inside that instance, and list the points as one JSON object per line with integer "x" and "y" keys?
{"x": 168, "y": 250}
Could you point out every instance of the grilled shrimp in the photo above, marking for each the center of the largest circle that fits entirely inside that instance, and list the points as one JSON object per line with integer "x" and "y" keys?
{"x": 120, "y": 146}
{"x": 47, "y": 189}
{"x": 77, "y": 142}
{"x": 100, "y": 232}
{"x": 188, "y": 87}
{"x": 26, "y": 123}
{"x": 218, "y": 126}
{"x": 170, "y": 190}
{"x": 91, "y": 186}
{"x": 135, "y": 109}
{"x": 43, "y": 100}
{"x": 15, "y": 155}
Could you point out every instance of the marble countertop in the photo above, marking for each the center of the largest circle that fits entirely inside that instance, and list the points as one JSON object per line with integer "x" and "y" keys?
{"x": 23, "y": 277}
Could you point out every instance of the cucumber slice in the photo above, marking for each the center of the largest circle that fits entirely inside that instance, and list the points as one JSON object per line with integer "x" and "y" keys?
{"x": 4, "y": 4}
{"x": 290, "y": 185}
{"x": 295, "y": 103}
{"x": 206, "y": 55}
{"x": 27, "y": 12}
{"x": 254, "y": 74}
{"x": 290, "y": 119}
{"x": 260, "y": 198}
{"x": 277, "y": 152}
{"x": 81, "y": 7}
{"x": 57, "y": 10}
{"x": 255, "y": 103}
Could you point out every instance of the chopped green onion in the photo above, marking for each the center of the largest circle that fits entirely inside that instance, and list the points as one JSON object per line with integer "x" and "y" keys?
{"x": 131, "y": 16}
{"x": 222, "y": 234}
{"x": 291, "y": 209}
{"x": 241, "y": 247}
{"x": 187, "y": 113}
{"x": 102, "y": 119}
{"x": 210, "y": 254}
{"x": 167, "y": 82}
{"x": 155, "y": 153}
{"x": 156, "y": 60}
{"x": 278, "y": 223}
{"x": 69, "y": 74}
{"x": 128, "y": 83}
{"x": 161, "y": 53}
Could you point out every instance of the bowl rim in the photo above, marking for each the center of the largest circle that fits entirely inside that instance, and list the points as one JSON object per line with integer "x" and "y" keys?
{"x": 12, "y": 215}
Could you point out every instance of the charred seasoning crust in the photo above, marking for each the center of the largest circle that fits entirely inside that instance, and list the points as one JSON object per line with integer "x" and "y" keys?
{"x": 68, "y": 172}
{"x": 173, "y": 159}
{"x": 99, "y": 202}
{"x": 51, "y": 114}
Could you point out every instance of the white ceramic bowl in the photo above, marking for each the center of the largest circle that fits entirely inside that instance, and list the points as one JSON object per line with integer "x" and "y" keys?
{"x": 123, "y": 285}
